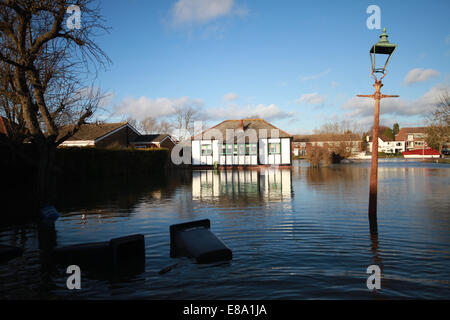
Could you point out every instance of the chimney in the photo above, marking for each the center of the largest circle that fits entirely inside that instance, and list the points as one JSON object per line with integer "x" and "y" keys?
{"x": 242, "y": 125}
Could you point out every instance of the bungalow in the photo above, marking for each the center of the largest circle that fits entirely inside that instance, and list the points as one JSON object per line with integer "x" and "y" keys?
{"x": 246, "y": 142}
{"x": 101, "y": 135}
{"x": 154, "y": 141}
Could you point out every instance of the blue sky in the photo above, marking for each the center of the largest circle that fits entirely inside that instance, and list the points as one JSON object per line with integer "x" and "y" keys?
{"x": 298, "y": 64}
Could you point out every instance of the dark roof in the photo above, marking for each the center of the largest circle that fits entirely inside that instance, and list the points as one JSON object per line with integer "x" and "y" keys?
{"x": 254, "y": 124}
{"x": 147, "y": 138}
{"x": 326, "y": 137}
{"x": 91, "y": 131}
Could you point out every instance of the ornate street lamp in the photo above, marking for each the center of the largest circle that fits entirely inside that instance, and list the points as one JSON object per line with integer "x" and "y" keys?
{"x": 380, "y": 49}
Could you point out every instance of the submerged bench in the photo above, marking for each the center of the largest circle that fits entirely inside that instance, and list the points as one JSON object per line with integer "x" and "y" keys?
{"x": 8, "y": 252}
{"x": 118, "y": 252}
{"x": 195, "y": 240}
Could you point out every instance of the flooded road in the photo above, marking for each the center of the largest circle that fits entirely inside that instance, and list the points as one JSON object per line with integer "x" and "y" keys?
{"x": 295, "y": 234}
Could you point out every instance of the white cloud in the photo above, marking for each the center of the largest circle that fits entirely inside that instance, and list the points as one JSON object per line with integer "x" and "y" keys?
{"x": 419, "y": 75}
{"x": 148, "y": 107}
{"x": 315, "y": 76}
{"x": 362, "y": 108}
{"x": 310, "y": 98}
{"x": 203, "y": 11}
{"x": 233, "y": 111}
{"x": 230, "y": 97}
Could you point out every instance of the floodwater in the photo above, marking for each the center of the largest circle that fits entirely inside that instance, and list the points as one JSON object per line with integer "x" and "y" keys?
{"x": 295, "y": 234}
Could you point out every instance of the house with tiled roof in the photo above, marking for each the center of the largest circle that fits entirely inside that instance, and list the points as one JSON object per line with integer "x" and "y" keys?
{"x": 150, "y": 141}
{"x": 302, "y": 143}
{"x": 101, "y": 135}
{"x": 245, "y": 142}
{"x": 413, "y": 136}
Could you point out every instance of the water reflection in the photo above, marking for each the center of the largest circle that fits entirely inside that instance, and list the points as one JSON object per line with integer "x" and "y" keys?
{"x": 236, "y": 186}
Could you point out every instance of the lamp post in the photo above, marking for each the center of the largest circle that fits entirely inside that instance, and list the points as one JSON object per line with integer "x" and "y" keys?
{"x": 382, "y": 47}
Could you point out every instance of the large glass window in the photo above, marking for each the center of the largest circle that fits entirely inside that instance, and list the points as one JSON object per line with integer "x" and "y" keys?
{"x": 274, "y": 148}
{"x": 206, "y": 150}
{"x": 239, "y": 149}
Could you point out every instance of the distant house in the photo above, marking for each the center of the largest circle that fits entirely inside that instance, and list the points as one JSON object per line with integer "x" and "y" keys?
{"x": 100, "y": 135}
{"x": 154, "y": 141}
{"x": 302, "y": 143}
{"x": 386, "y": 145}
{"x": 246, "y": 142}
{"x": 413, "y": 136}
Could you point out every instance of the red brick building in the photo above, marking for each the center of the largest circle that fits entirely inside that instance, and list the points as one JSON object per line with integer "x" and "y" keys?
{"x": 413, "y": 136}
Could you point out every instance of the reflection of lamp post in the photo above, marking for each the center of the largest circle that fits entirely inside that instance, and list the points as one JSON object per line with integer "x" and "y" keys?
{"x": 383, "y": 47}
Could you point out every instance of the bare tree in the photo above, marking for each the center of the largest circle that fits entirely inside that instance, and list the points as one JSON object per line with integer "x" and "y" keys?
{"x": 184, "y": 119}
{"x": 339, "y": 127}
{"x": 165, "y": 127}
{"x": 149, "y": 125}
{"x": 46, "y": 81}
{"x": 438, "y": 129}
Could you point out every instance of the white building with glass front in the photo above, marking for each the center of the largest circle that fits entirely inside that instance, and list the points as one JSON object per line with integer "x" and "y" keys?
{"x": 246, "y": 142}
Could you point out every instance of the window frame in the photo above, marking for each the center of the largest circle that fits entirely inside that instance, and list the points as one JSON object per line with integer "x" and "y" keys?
{"x": 279, "y": 149}
{"x": 208, "y": 148}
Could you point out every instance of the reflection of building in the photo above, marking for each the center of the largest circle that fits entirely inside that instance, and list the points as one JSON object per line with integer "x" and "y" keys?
{"x": 246, "y": 142}
{"x": 229, "y": 186}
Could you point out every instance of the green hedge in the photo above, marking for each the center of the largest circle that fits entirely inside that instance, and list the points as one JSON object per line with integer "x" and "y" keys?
{"x": 92, "y": 162}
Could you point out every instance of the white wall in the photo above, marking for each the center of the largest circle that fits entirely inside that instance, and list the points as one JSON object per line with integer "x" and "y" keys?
{"x": 274, "y": 158}
{"x": 196, "y": 152}
{"x": 285, "y": 151}
{"x": 263, "y": 151}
